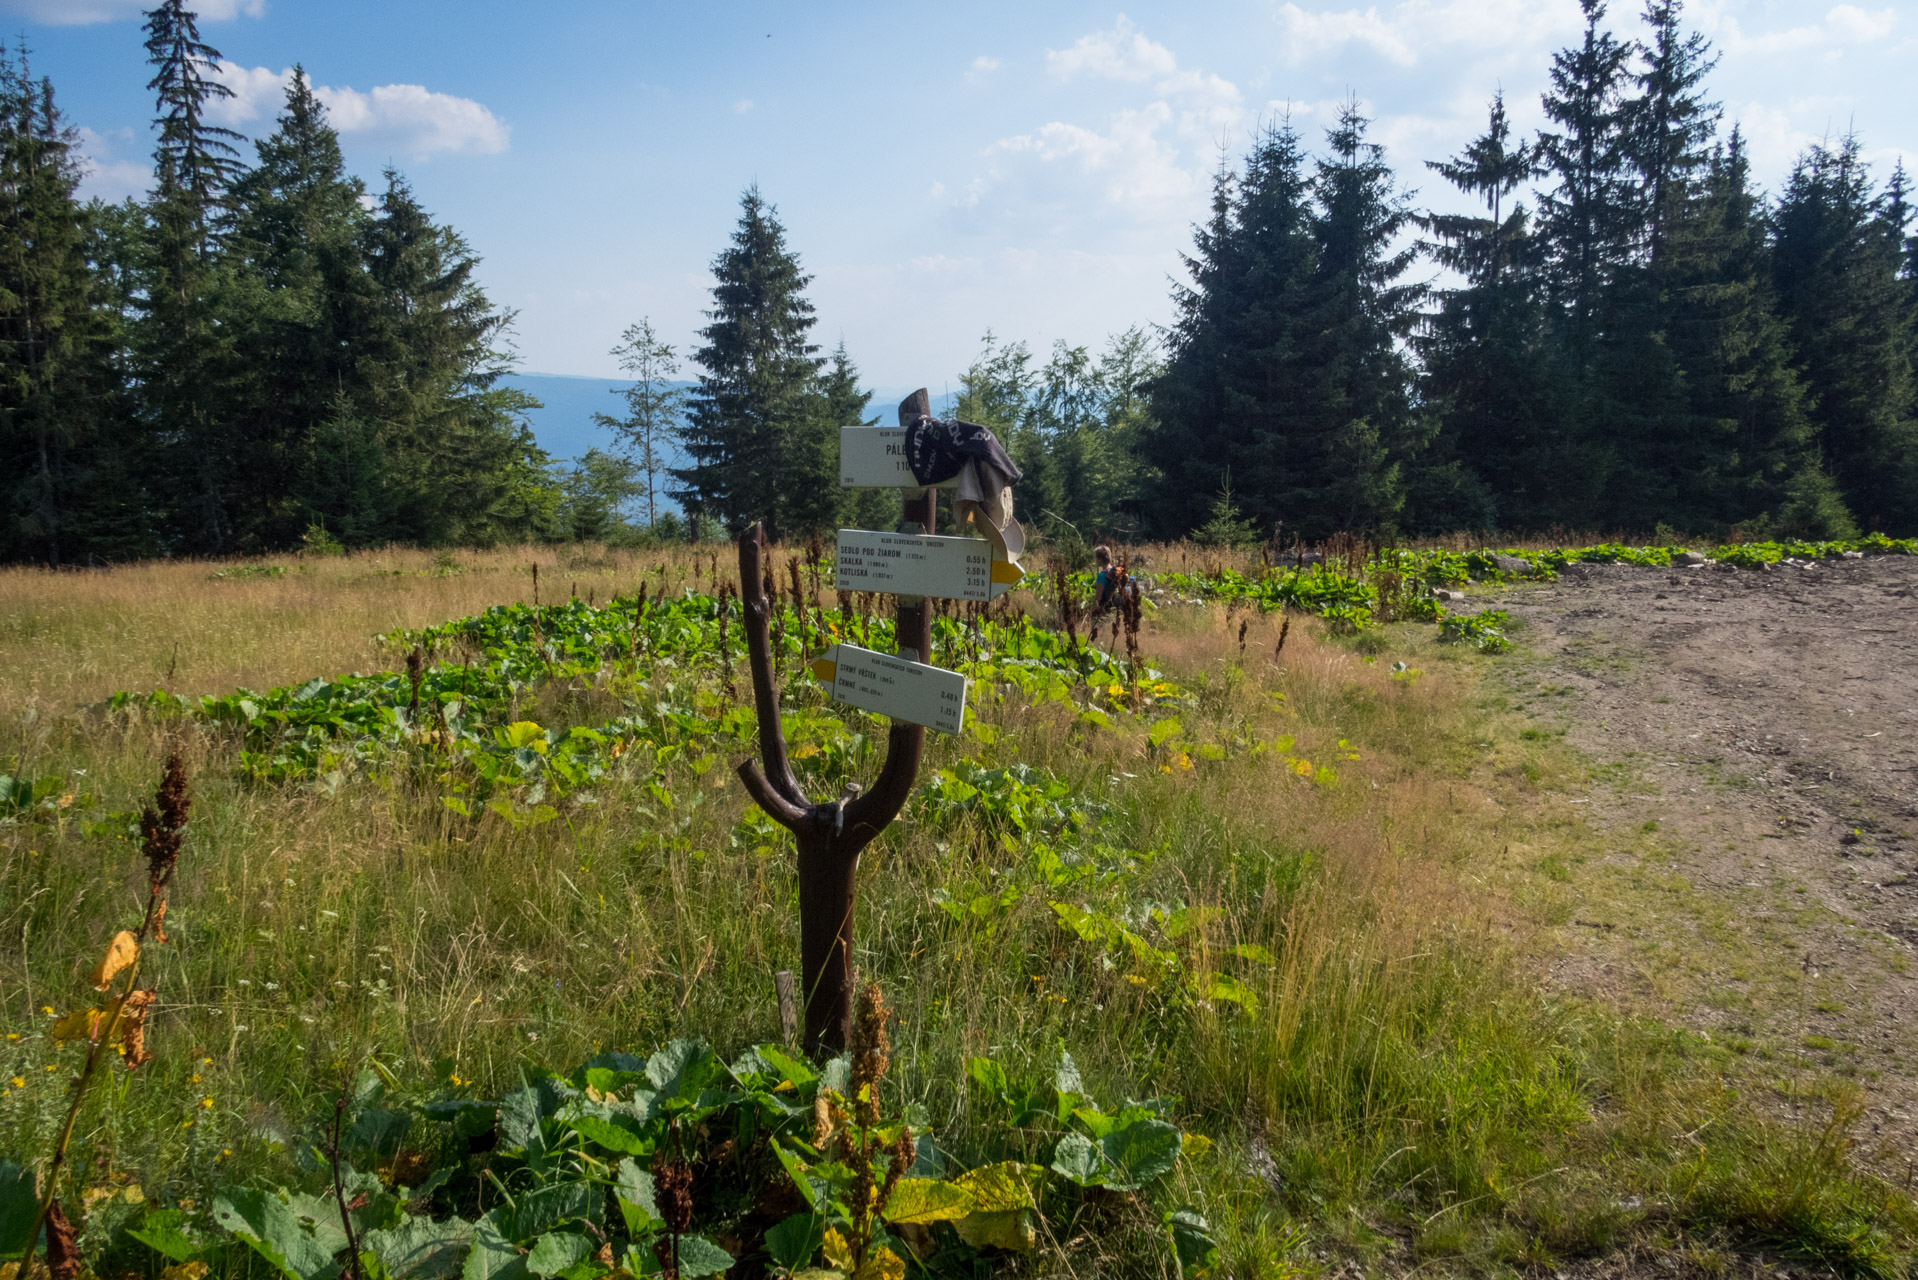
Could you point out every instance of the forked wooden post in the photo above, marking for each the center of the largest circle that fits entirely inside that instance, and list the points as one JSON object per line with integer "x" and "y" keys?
{"x": 831, "y": 835}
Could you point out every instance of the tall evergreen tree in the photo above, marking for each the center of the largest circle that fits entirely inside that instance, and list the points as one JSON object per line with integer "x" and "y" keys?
{"x": 184, "y": 359}
{"x": 1585, "y": 217}
{"x": 1836, "y": 263}
{"x": 1665, "y": 457}
{"x": 302, "y": 304}
{"x": 1365, "y": 431}
{"x": 1741, "y": 449}
{"x": 1498, "y": 455}
{"x": 1231, "y": 398}
{"x": 54, "y": 371}
{"x": 459, "y": 463}
{"x": 755, "y": 410}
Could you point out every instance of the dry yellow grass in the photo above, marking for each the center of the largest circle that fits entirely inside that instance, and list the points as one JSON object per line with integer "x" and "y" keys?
{"x": 69, "y": 638}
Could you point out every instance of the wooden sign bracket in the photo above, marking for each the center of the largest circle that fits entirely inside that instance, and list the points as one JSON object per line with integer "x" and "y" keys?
{"x": 831, "y": 835}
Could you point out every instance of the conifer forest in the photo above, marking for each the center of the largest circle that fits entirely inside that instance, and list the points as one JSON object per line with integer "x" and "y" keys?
{"x": 1628, "y": 335}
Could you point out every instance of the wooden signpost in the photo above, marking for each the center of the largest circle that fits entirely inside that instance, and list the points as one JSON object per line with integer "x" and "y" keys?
{"x": 912, "y": 564}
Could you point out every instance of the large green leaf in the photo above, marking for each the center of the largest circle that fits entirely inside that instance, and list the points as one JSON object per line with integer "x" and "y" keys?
{"x": 544, "y": 1208}
{"x": 493, "y": 1256}
{"x": 809, "y": 1187}
{"x": 787, "y": 1066}
{"x": 163, "y": 1231}
{"x": 19, "y": 1205}
{"x": 621, "y": 1136}
{"x": 1143, "y": 1150}
{"x": 1078, "y": 1159}
{"x": 998, "y": 1187}
{"x": 682, "y": 1068}
{"x": 989, "y": 1075}
{"x": 634, "y": 1191}
{"x": 421, "y": 1249}
{"x": 519, "y": 1116}
{"x": 555, "y": 1251}
{"x": 1192, "y": 1242}
{"x": 793, "y": 1242}
{"x": 275, "y": 1232}
{"x": 699, "y": 1256}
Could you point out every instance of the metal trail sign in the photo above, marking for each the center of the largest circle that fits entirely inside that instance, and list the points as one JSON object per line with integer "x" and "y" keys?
{"x": 909, "y": 691}
{"x": 911, "y": 564}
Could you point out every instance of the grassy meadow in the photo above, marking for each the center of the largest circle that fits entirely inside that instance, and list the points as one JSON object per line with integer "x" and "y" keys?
{"x": 1293, "y": 914}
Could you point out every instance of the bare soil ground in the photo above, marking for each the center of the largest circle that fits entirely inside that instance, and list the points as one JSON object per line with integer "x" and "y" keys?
{"x": 1743, "y": 861}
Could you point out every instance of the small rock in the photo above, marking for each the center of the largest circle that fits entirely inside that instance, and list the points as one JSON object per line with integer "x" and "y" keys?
{"x": 1852, "y": 555}
{"x": 1450, "y": 597}
{"x": 1689, "y": 558}
{"x": 1512, "y": 564}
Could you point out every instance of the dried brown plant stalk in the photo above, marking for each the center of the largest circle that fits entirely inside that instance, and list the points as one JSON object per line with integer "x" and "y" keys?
{"x": 122, "y": 1019}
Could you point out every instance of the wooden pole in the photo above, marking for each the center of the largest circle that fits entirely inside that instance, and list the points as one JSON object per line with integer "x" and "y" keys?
{"x": 830, "y": 836}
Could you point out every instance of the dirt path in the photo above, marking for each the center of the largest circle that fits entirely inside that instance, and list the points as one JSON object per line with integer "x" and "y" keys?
{"x": 1745, "y": 862}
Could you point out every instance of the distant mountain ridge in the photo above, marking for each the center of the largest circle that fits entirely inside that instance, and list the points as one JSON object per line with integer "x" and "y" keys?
{"x": 564, "y": 427}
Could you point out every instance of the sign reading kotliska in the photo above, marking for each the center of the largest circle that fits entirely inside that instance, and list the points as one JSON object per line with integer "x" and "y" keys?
{"x": 917, "y": 564}
{"x": 909, "y": 691}
{"x": 875, "y": 458}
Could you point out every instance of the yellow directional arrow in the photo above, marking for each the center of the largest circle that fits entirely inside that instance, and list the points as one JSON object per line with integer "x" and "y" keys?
{"x": 826, "y": 669}
{"x": 1007, "y": 572}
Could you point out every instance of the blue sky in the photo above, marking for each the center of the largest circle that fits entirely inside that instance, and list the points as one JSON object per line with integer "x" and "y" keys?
{"x": 942, "y": 169}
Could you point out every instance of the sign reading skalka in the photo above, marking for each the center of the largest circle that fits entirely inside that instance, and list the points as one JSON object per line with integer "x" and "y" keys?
{"x": 922, "y": 565}
{"x": 909, "y": 691}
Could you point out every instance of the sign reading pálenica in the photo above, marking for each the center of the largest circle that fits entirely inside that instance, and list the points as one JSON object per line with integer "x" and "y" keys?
{"x": 875, "y": 458}
{"x": 909, "y": 691}
{"x": 911, "y": 564}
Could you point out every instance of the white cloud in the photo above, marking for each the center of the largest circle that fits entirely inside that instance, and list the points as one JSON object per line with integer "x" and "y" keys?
{"x": 981, "y": 68}
{"x": 408, "y": 117}
{"x": 741, "y": 107}
{"x": 1407, "y": 33}
{"x": 1147, "y": 165}
{"x": 1122, "y": 53}
{"x": 1128, "y": 166}
{"x": 108, "y": 171}
{"x": 1842, "y": 25}
{"x": 64, "y": 13}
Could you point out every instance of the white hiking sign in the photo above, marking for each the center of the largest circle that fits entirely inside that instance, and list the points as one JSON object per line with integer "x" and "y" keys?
{"x": 917, "y": 564}
{"x": 909, "y": 691}
{"x": 875, "y": 458}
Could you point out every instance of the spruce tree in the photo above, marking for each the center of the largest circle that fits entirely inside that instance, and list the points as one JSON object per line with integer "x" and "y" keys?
{"x": 303, "y": 306}
{"x": 461, "y": 463}
{"x": 1230, "y": 398}
{"x": 183, "y": 357}
{"x": 1743, "y": 450}
{"x": 1837, "y": 266}
{"x": 1483, "y": 352}
{"x": 1666, "y": 458}
{"x": 1586, "y": 217}
{"x": 755, "y": 409}
{"x": 1365, "y": 432}
{"x": 55, "y": 373}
